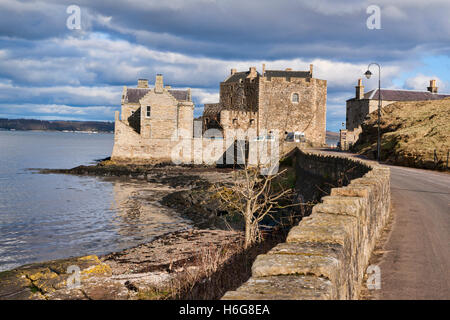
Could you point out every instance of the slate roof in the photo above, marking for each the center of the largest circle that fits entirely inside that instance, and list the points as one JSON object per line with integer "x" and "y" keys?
{"x": 212, "y": 109}
{"x": 180, "y": 95}
{"x": 270, "y": 73}
{"x": 403, "y": 95}
{"x": 238, "y": 76}
{"x": 136, "y": 94}
{"x": 287, "y": 74}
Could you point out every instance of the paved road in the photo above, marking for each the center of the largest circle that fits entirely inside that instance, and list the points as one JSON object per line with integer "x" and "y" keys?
{"x": 416, "y": 264}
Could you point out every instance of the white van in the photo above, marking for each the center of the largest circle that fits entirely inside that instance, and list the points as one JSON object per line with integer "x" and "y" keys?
{"x": 296, "y": 136}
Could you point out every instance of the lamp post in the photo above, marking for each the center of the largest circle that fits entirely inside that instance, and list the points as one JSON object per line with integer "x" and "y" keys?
{"x": 368, "y": 74}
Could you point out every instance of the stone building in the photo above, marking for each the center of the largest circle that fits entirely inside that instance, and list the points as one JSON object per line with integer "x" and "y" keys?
{"x": 282, "y": 100}
{"x": 364, "y": 103}
{"x": 152, "y": 120}
{"x": 155, "y": 122}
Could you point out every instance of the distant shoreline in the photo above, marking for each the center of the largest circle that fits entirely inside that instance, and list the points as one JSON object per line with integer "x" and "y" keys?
{"x": 63, "y": 131}
{"x": 56, "y": 125}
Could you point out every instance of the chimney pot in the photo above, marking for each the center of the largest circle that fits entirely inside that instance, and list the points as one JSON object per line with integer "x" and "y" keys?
{"x": 233, "y": 71}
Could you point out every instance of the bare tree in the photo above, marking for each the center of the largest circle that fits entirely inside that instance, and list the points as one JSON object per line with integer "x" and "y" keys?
{"x": 254, "y": 196}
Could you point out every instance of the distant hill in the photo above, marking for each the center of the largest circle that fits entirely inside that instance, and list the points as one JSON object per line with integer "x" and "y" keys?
{"x": 413, "y": 133}
{"x": 56, "y": 125}
{"x": 332, "y": 138}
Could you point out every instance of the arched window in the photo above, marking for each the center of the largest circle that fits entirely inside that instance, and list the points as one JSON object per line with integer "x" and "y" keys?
{"x": 148, "y": 112}
{"x": 295, "y": 98}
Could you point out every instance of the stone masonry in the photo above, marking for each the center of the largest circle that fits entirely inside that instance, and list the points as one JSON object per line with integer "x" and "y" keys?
{"x": 281, "y": 100}
{"x": 156, "y": 122}
{"x": 153, "y": 121}
{"x": 327, "y": 254}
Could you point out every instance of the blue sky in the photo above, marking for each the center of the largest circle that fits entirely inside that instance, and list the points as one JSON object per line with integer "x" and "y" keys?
{"x": 50, "y": 72}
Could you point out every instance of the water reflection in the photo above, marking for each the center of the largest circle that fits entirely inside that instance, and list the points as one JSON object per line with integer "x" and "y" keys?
{"x": 139, "y": 214}
{"x": 52, "y": 216}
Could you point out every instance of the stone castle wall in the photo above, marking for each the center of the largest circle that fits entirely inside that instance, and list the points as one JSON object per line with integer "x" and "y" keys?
{"x": 265, "y": 104}
{"x": 131, "y": 146}
{"x": 308, "y": 115}
{"x": 326, "y": 255}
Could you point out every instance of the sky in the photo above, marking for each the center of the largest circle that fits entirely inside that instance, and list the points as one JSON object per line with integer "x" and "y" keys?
{"x": 50, "y": 71}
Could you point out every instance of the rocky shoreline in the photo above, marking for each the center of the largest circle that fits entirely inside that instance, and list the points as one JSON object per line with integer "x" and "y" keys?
{"x": 168, "y": 267}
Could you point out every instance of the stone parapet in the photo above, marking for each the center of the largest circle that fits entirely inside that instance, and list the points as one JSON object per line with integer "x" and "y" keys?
{"x": 326, "y": 255}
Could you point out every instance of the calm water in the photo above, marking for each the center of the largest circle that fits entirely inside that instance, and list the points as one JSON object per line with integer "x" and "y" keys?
{"x": 51, "y": 216}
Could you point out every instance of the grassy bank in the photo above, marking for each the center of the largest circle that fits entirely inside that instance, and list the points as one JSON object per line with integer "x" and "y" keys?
{"x": 414, "y": 134}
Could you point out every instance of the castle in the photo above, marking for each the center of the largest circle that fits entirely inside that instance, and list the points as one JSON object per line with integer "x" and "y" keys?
{"x": 154, "y": 122}
{"x": 364, "y": 103}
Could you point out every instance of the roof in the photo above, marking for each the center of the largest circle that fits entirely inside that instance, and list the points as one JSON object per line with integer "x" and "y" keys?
{"x": 136, "y": 94}
{"x": 403, "y": 95}
{"x": 238, "y": 76}
{"x": 287, "y": 74}
{"x": 270, "y": 74}
{"x": 180, "y": 95}
{"x": 211, "y": 109}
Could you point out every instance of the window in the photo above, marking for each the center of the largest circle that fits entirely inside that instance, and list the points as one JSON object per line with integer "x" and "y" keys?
{"x": 295, "y": 97}
{"x": 252, "y": 121}
{"x": 235, "y": 121}
{"x": 148, "y": 111}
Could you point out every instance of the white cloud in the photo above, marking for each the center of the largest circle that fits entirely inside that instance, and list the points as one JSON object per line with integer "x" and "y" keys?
{"x": 421, "y": 82}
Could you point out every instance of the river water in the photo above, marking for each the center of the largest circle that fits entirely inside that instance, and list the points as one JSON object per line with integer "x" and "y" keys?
{"x": 51, "y": 216}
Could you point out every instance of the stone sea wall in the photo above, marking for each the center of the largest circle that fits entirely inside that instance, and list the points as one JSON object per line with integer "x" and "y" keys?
{"x": 326, "y": 255}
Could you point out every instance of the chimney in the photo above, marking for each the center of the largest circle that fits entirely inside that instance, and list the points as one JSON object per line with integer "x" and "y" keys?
{"x": 233, "y": 71}
{"x": 189, "y": 94}
{"x": 159, "y": 85}
{"x": 124, "y": 93}
{"x": 252, "y": 73}
{"x": 432, "y": 88}
{"x": 142, "y": 83}
{"x": 288, "y": 69}
{"x": 311, "y": 70}
{"x": 359, "y": 90}
{"x": 263, "y": 69}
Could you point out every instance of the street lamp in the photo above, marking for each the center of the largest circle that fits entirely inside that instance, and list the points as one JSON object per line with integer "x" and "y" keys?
{"x": 368, "y": 74}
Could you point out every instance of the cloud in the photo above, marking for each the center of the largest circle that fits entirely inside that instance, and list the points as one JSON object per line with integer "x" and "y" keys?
{"x": 421, "y": 82}
{"x": 195, "y": 43}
